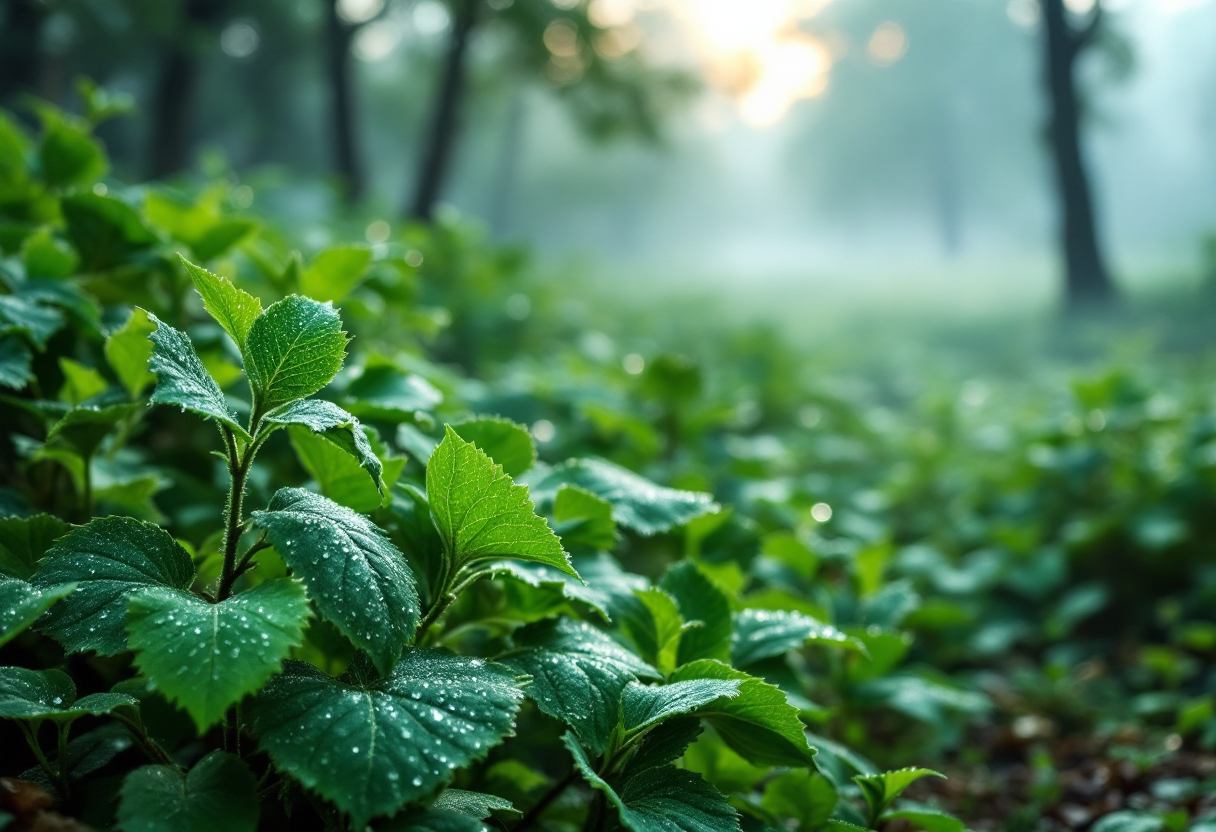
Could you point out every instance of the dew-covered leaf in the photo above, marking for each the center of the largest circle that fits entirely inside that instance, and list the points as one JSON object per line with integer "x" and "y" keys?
{"x": 663, "y": 799}
{"x": 507, "y": 443}
{"x": 701, "y": 601}
{"x": 762, "y": 634}
{"x": 663, "y": 744}
{"x": 22, "y": 603}
{"x": 128, "y": 350}
{"x": 759, "y": 724}
{"x": 434, "y": 820}
{"x": 578, "y": 673}
{"x": 292, "y": 350}
{"x": 233, "y": 308}
{"x": 218, "y": 793}
{"x": 338, "y": 427}
{"x": 206, "y": 657}
{"x": 354, "y": 574}
{"x": 373, "y": 746}
{"x": 182, "y": 380}
{"x": 538, "y": 575}
{"x": 108, "y": 559}
{"x": 645, "y": 705}
{"x": 474, "y": 804}
{"x": 24, "y": 540}
{"x": 481, "y": 514}
{"x": 51, "y": 694}
{"x": 637, "y": 503}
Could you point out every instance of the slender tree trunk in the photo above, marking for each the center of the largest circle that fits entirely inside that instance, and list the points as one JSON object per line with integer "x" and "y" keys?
{"x": 445, "y": 117}
{"x": 343, "y": 125}
{"x": 20, "y": 58}
{"x": 1087, "y": 281}
{"x": 177, "y": 87}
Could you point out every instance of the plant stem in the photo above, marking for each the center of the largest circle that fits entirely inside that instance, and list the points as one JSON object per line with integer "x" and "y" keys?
{"x": 52, "y": 772}
{"x": 446, "y": 599}
{"x": 87, "y": 496}
{"x": 234, "y": 511}
{"x": 546, "y": 799}
{"x": 150, "y": 746}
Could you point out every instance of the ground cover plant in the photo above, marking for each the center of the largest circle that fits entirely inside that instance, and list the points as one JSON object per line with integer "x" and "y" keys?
{"x": 345, "y": 540}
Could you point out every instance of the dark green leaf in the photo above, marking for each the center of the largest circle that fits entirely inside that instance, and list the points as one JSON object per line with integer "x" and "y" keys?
{"x": 699, "y": 600}
{"x": 383, "y": 392}
{"x": 50, "y": 694}
{"x": 338, "y": 427}
{"x": 82, "y": 429}
{"x": 21, "y": 604}
{"x": 234, "y": 309}
{"x": 26, "y": 316}
{"x": 650, "y": 618}
{"x": 218, "y": 793}
{"x": 481, "y": 514}
{"x": 108, "y": 559}
{"x": 182, "y": 380}
{"x": 577, "y": 673}
{"x": 645, "y": 705}
{"x": 434, "y": 820}
{"x": 508, "y": 444}
{"x": 24, "y": 540}
{"x": 356, "y": 577}
{"x": 762, "y": 634}
{"x": 222, "y": 235}
{"x": 637, "y": 503}
{"x": 15, "y": 361}
{"x": 759, "y": 724}
{"x": 292, "y": 350}
{"x": 805, "y": 797}
{"x": 69, "y": 155}
{"x": 206, "y": 657}
{"x": 663, "y": 744}
{"x": 538, "y": 575}
{"x": 474, "y": 804}
{"x": 373, "y": 747}
{"x": 104, "y": 231}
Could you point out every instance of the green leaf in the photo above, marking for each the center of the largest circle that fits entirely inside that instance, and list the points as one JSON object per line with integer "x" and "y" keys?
{"x": 879, "y": 790}
{"x": 434, "y": 820}
{"x": 69, "y": 155}
{"x": 699, "y": 600}
{"x": 578, "y": 673}
{"x": 758, "y": 724}
{"x": 356, "y": 577}
{"x": 663, "y": 744}
{"x": 218, "y": 793}
{"x": 22, "y": 603}
{"x": 935, "y": 820}
{"x": 108, "y": 559}
{"x": 663, "y": 800}
{"x": 50, "y": 694}
{"x": 234, "y": 309}
{"x": 1129, "y": 820}
{"x": 650, "y": 618}
{"x": 645, "y": 705}
{"x": 103, "y": 230}
{"x": 182, "y": 380}
{"x": 371, "y": 746}
{"x": 481, "y": 514}
{"x": 128, "y": 350}
{"x": 335, "y": 272}
{"x": 15, "y": 363}
{"x": 507, "y": 443}
{"x": 222, "y": 235}
{"x": 474, "y": 804}
{"x": 637, "y": 503}
{"x": 82, "y": 429}
{"x": 26, "y": 316}
{"x": 206, "y": 657}
{"x": 805, "y": 797}
{"x": 47, "y": 257}
{"x": 382, "y": 391}
{"x": 762, "y": 634}
{"x": 292, "y": 350}
{"x": 583, "y": 518}
{"x": 537, "y": 575}
{"x": 24, "y": 540}
{"x": 337, "y": 427}
{"x": 79, "y": 381}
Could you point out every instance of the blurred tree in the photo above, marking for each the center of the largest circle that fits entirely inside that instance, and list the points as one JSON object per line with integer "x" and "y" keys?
{"x": 343, "y": 20}
{"x": 178, "y": 81}
{"x": 20, "y": 47}
{"x": 594, "y": 68}
{"x": 1087, "y": 280}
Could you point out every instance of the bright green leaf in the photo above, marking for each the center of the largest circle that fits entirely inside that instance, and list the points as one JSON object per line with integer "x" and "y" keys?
{"x": 699, "y": 600}
{"x": 108, "y": 559}
{"x": 650, "y": 618}
{"x": 128, "y": 350}
{"x": 69, "y": 155}
{"x": 371, "y": 746}
{"x": 334, "y": 272}
{"x": 935, "y": 820}
{"x": 206, "y": 657}
{"x": 79, "y": 381}
{"x": 234, "y": 309}
{"x": 292, "y": 350}
{"x": 382, "y": 391}
{"x": 46, "y": 257}
{"x": 338, "y": 428}
{"x": 222, "y": 235}
{"x": 182, "y": 380}
{"x": 356, "y": 577}
{"x": 583, "y": 518}
{"x": 879, "y": 790}
{"x": 507, "y": 443}
{"x": 218, "y": 793}
{"x": 762, "y": 634}
{"x": 481, "y": 514}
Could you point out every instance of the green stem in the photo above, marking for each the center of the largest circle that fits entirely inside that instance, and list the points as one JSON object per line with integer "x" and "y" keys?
{"x": 150, "y": 746}
{"x": 541, "y": 805}
{"x": 52, "y": 772}
{"x": 87, "y": 497}
{"x": 446, "y": 598}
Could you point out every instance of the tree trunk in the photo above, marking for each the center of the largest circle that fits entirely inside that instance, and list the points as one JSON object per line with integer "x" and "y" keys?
{"x": 177, "y": 86}
{"x": 1087, "y": 281}
{"x": 445, "y": 119}
{"x": 20, "y": 58}
{"x": 338, "y": 35}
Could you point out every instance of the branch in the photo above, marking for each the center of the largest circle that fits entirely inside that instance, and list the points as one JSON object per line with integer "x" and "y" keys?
{"x": 1083, "y": 36}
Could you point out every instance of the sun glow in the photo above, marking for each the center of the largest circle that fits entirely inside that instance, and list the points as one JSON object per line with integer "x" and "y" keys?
{"x": 756, "y": 52}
